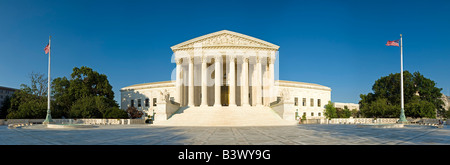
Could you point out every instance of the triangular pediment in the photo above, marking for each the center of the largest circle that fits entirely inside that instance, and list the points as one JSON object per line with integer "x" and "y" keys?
{"x": 224, "y": 38}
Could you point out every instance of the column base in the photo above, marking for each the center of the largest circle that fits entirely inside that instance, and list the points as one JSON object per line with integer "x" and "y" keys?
{"x": 402, "y": 118}
{"x": 217, "y": 105}
{"x": 245, "y": 105}
{"x": 232, "y": 105}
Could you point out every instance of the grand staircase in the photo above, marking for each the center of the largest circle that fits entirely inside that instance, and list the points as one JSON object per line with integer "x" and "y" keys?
{"x": 225, "y": 116}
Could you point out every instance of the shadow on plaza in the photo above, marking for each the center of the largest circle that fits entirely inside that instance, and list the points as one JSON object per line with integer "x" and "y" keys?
{"x": 107, "y": 135}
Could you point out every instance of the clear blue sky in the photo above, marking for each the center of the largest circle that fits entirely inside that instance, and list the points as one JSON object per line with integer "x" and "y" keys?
{"x": 339, "y": 44}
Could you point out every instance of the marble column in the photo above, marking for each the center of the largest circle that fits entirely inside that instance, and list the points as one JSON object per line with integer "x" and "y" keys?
{"x": 271, "y": 79}
{"x": 258, "y": 81}
{"x": 179, "y": 81}
{"x": 191, "y": 82}
{"x": 217, "y": 79}
{"x": 204, "y": 83}
{"x": 244, "y": 93}
{"x": 232, "y": 85}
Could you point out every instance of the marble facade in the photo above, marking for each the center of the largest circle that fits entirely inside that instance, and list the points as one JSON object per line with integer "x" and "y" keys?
{"x": 226, "y": 69}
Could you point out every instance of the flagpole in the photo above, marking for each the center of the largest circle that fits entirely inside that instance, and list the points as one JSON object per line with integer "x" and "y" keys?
{"x": 402, "y": 111}
{"x": 48, "y": 118}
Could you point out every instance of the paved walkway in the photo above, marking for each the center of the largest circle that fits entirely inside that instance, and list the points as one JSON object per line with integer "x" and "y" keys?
{"x": 284, "y": 135}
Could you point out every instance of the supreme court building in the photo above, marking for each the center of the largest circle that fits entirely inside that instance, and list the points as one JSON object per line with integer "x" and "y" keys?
{"x": 226, "y": 74}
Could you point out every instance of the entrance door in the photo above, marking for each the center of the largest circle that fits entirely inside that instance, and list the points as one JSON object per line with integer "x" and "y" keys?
{"x": 224, "y": 98}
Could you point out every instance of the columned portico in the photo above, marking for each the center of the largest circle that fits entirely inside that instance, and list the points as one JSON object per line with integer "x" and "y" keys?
{"x": 215, "y": 80}
{"x": 229, "y": 61}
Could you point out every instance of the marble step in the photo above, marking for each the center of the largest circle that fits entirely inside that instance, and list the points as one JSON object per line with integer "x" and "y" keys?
{"x": 225, "y": 116}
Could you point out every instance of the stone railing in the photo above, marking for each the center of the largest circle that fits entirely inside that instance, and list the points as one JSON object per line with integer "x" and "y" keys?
{"x": 381, "y": 121}
{"x": 75, "y": 121}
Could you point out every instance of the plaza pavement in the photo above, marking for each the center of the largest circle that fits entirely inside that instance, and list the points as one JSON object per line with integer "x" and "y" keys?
{"x": 269, "y": 135}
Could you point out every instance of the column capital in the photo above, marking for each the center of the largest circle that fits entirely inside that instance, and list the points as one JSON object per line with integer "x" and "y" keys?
{"x": 258, "y": 59}
{"x": 179, "y": 61}
{"x": 244, "y": 59}
{"x": 217, "y": 58}
{"x": 232, "y": 58}
{"x": 204, "y": 59}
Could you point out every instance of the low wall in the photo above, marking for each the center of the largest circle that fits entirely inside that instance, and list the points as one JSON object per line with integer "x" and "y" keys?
{"x": 381, "y": 120}
{"x": 76, "y": 121}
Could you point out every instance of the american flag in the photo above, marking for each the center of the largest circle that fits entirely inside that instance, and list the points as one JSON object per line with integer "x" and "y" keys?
{"x": 392, "y": 43}
{"x": 47, "y": 48}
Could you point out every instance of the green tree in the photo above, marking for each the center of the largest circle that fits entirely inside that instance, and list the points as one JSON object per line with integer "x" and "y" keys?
{"x": 343, "y": 113}
{"x": 380, "y": 108}
{"x": 89, "y": 107}
{"x": 420, "y": 108}
{"x": 330, "y": 110}
{"x": 62, "y": 96}
{"x": 115, "y": 113}
{"x": 87, "y": 94}
{"x": 386, "y": 97}
{"x": 355, "y": 113}
{"x": 29, "y": 101}
{"x": 427, "y": 91}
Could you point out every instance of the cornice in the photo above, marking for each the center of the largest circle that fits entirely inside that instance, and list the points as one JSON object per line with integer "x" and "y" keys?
{"x": 224, "y": 39}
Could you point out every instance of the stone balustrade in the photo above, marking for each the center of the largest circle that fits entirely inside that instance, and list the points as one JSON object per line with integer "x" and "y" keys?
{"x": 76, "y": 121}
{"x": 422, "y": 121}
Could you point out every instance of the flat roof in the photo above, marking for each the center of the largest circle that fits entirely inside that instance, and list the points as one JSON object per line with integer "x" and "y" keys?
{"x": 172, "y": 84}
{"x": 7, "y": 88}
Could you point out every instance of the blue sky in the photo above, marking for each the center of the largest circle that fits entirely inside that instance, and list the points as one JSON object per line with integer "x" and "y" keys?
{"x": 339, "y": 44}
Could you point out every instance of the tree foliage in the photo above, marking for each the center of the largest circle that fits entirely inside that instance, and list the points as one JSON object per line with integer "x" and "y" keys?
{"x": 29, "y": 101}
{"x": 421, "y": 97}
{"x": 87, "y": 94}
{"x": 343, "y": 113}
{"x": 330, "y": 110}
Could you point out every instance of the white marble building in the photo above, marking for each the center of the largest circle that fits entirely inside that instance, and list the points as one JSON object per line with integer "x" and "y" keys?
{"x": 226, "y": 69}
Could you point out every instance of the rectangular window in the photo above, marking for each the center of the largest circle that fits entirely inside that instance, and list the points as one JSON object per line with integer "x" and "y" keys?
{"x": 312, "y": 102}
{"x": 146, "y": 102}
{"x": 154, "y": 102}
{"x": 312, "y": 113}
{"x": 318, "y": 103}
{"x": 132, "y": 103}
{"x": 296, "y": 101}
{"x": 304, "y": 102}
{"x": 139, "y": 102}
